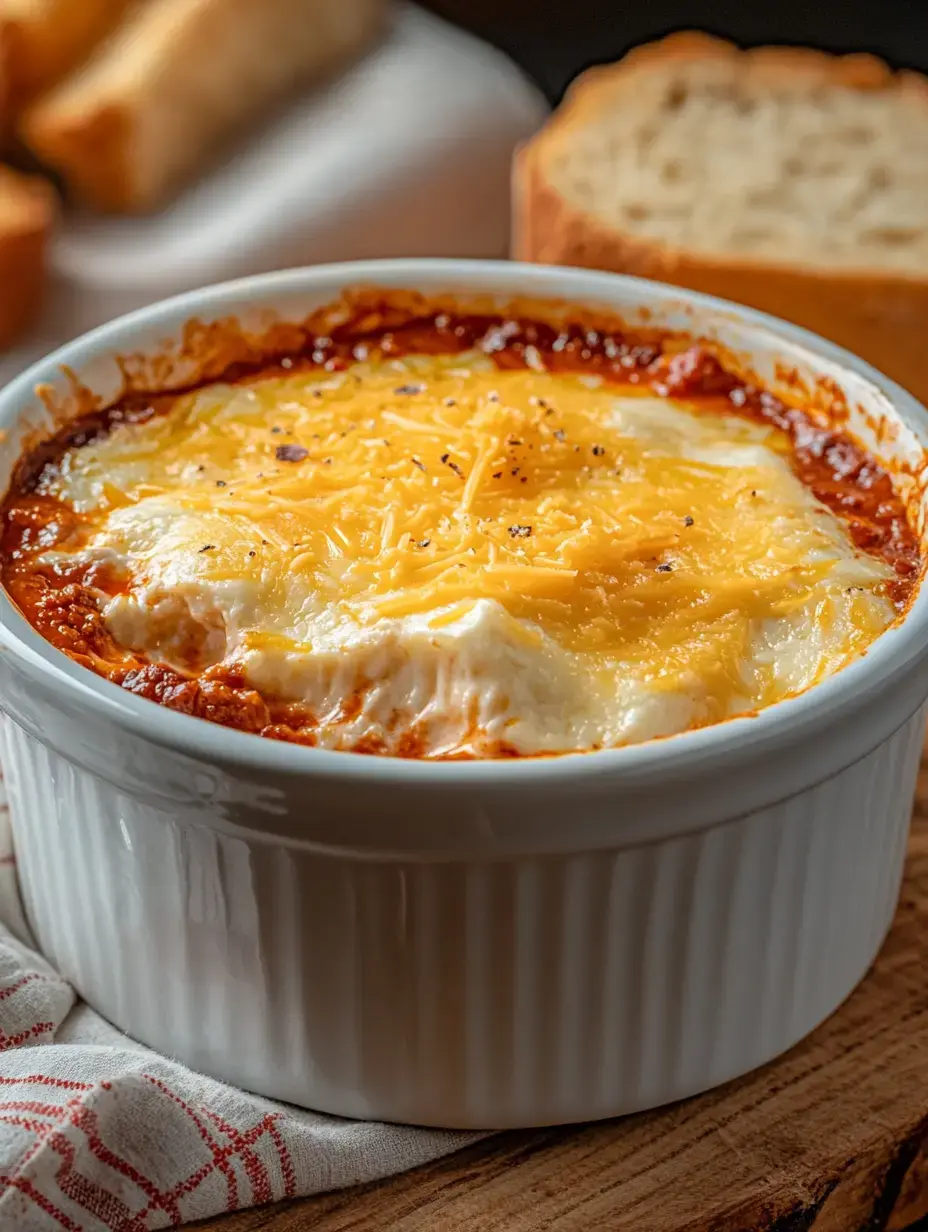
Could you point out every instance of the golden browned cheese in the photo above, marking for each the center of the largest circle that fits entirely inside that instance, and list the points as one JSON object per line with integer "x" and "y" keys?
{"x": 458, "y": 543}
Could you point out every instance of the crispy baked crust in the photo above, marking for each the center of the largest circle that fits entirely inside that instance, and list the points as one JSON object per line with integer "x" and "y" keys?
{"x": 100, "y": 142}
{"x": 27, "y": 212}
{"x": 879, "y": 314}
{"x": 93, "y": 152}
{"x": 39, "y": 47}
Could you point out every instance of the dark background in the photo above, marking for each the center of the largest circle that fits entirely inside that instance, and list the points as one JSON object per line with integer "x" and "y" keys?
{"x": 554, "y": 40}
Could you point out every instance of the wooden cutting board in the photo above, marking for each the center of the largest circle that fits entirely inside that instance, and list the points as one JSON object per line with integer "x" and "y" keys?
{"x": 831, "y": 1138}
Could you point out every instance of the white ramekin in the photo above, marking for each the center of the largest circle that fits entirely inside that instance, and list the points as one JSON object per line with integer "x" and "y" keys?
{"x": 472, "y": 945}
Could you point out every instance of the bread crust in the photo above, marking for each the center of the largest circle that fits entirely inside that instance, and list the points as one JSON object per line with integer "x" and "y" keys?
{"x": 37, "y": 49}
{"x": 93, "y": 152}
{"x": 27, "y": 215}
{"x": 98, "y": 146}
{"x": 881, "y": 315}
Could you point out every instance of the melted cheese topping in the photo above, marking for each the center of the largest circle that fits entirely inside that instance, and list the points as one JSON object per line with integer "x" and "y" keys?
{"x": 475, "y": 554}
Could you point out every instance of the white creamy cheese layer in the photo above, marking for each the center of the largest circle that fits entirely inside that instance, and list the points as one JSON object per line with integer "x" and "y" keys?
{"x": 674, "y": 634}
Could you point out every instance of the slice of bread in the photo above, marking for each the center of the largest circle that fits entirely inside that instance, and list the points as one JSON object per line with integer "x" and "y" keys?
{"x": 788, "y": 180}
{"x": 27, "y": 214}
{"x": 178, "y": 79}
{"x": 42, "y": 40}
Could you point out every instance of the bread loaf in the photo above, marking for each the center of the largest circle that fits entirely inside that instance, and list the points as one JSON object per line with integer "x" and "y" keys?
{"x": 176, "y": 80}
{"x": 42, "y": 40}
{"x": 27, "y": 210}
{"x": 792, "y": 181}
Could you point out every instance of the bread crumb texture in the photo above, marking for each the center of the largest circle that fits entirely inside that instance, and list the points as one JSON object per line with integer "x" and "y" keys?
{"x": 772, "y": 154}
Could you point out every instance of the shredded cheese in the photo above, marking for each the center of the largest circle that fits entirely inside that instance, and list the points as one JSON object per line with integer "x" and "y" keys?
{"x": 630, "y": 529}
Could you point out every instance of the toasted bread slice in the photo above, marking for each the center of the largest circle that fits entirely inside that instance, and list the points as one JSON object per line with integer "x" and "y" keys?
{"x": 42, "y": 40}
{"x": 27, "y": 214}
{"x": 789, "y": 180}
{"x": 176, "y": 80}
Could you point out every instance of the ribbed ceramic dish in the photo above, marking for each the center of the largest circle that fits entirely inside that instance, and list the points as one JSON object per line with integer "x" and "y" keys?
{"x": 469, "y": 944}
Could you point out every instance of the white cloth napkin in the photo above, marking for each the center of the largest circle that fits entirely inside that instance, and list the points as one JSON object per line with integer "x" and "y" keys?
{"x": 99, "y": 1133}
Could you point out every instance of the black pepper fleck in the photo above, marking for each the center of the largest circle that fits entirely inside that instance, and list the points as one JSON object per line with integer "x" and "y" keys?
{"x": 520, "y": 532}
{"x": 291, "y": 453}
{"x": 409, "y": 389}
{"x": 665, "y": 568}
{"x": 687, "y": 521}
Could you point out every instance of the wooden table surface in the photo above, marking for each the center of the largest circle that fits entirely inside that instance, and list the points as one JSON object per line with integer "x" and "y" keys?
{"x": 831, "y": 1138}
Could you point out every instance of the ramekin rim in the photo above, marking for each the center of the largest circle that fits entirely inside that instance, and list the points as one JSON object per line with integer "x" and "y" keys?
{"x": 887, "y": 655}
